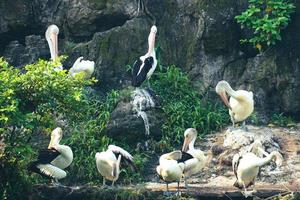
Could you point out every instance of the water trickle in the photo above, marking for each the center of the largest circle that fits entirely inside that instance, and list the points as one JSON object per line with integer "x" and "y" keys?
{"x": 142, "y": 101}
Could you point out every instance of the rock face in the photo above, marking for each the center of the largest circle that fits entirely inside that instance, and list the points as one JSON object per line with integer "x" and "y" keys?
{"x": 201, "y": 37}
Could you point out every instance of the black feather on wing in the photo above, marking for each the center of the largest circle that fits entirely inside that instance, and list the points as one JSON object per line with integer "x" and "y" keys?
{"x": 185, "y": 156}
{"x": 236, "y": 165}
{"x": 139, "y": 76}
{"x": 47, "y": 155}
{"x": 126, "y": 162}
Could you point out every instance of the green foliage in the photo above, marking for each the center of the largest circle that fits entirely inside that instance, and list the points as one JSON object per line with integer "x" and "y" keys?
{"x": 86, "y": 137}
{"x": 184, "y": 107}
{"x": 266, "y": 19}
{"x": 279, "y": 119}
{"x": 31, "y": 102}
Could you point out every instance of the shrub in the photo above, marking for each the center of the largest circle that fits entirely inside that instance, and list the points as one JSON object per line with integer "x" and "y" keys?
{"x": 266, "y": 19}
{"x": 184, "y": 107}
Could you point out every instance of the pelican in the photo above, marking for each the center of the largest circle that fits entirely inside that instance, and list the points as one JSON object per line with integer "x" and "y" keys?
{"x": 144, "y": 67}
{"x": 108, "y": 162}
{"x": 52, "y": 39}
{"x": 198, "y": 160}
{"x": 241, "y": 102}
{"x": 81, "y": 65}
{"x": 171, "y": 167}
{"x": 51, "y": 162}
{"x": 246, "y": 168}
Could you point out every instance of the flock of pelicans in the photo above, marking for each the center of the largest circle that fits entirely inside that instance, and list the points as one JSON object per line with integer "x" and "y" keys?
{"x": 173, "y": 166}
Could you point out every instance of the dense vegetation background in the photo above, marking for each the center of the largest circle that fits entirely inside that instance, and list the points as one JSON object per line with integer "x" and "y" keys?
{"x": 198, "y": 45}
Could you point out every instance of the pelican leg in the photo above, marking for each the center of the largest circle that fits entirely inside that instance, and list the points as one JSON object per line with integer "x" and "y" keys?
{"x": 233, "y": 123}
{"x": 103, "y": 182}
{"x": 246, "y": 193}
{"x": 113, "y": 184}
{"x": 167, "y": 193}
{"x": 244, "y": 126}
{"x": 186, "y": 183}
{"x": 178, "y": 191}
{"x": 148, "y": 82}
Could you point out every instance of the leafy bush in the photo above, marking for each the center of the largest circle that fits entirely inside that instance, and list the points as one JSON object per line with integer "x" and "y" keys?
{"x": 32, "y": 101}
{"x": 266, "y": 19}
{"x": 279, "y": 119}
{"x": 184, "y": 107}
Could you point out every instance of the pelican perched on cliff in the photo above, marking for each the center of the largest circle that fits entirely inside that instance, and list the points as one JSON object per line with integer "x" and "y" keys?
{"x": 85, "y": 66}
{"x": 197, "y": 163}
{"x": 51, "y": 162}
{"x": 171, "y": 167}
{"x": 246, "y": 168}
{"x": 52, "y": 39}
{"x": 80, "y": 65}
{"x": 108, "y": 162}
{"x": 241, "y": 102}
{"x": 144, "y": 67}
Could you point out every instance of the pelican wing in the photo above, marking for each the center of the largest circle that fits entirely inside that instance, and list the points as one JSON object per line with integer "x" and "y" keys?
{"x": 140, "y": 70}
{"x": 126, "y": 158}
{"x": 51, "y": 171}
{"x": 191, "y": 164}
{"x": 185, "y": 156}
{"x": 47, "y": 155}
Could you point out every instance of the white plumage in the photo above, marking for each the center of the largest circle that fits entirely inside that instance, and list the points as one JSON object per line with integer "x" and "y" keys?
{"x": 108, "y": 162}
{"x": 241, "y": 103}
{"x": 85, "y": 66}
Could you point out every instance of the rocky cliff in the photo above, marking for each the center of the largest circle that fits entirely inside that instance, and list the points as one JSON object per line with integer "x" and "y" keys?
{"x": 199, "y": 36}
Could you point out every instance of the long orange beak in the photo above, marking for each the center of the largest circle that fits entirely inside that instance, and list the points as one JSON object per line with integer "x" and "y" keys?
{"x": 225, "y": 99}
{"x": 54, "y": 39}
{"x": 185, "y": 145}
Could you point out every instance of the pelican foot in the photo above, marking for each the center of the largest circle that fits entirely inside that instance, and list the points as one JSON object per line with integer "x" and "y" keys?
{"x": 248, "y": 193}
{"x": 167, "y": 193}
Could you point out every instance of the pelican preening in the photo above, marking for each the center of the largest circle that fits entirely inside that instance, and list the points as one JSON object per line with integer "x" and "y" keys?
{"x": 177, "y": 164}
{"x": 246, "y": 167}
{"x": 80, "y": 65}
{"x": 108, "y": 162}
{"x": 51, "y": 162}
{"x": 240, "y": 104}
{"x": 144, "y": 67}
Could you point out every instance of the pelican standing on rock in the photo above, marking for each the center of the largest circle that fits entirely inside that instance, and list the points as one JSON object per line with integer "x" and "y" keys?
{"x": 171, "y": 167}
{"x": 144, "y": 67}
{"x": 241, "y": 102}
{"x": 108, "y": 162}
{"x": 80, "y": 65}
{"x": 51, "y": 162}
{"x": 198, "y": 160}
{"x": 246, "y": 168}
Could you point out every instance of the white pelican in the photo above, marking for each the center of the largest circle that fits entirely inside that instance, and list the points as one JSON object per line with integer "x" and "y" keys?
{"x": 108, "y": 162}
{"x": 246, "y": 168}
{"x": 241, "y": 102}
{"x": 81, "y": 65}
{"x": 144, "y": 67}
{"x": 51, "y": 162}
{"x": 171, "y": 167}
{"x": 197, "y": 163}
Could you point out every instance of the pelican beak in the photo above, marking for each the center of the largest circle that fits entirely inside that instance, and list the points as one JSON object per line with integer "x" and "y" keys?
{"x": 54, "y": 39}
{"x": 50, "y": 144}
{"x": 225, "y": 99}
{"x": 185, "y": 144}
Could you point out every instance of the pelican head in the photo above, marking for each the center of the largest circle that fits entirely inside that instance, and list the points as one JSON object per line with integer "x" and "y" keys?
{"x": 153, "y": 29}
{"x": 52, "y": 39}
{"x": 56, "y": 136}
{"x": 277, "y": 157}
{"x": 190, "y": 136}
{"x": 221, "y": 89}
